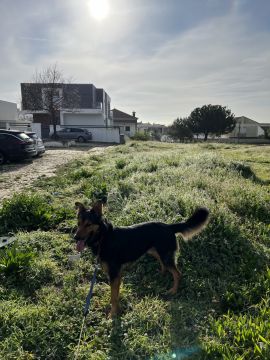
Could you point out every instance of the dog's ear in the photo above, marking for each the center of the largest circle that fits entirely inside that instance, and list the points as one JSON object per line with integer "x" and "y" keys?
{"x": 98, "y": 208}
{"x": 79, "y": 206}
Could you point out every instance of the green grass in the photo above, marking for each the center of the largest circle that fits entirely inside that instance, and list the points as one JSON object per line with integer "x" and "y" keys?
{"x": 222, "y": 308}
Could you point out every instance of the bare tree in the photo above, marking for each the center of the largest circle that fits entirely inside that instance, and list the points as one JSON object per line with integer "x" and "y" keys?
{"x": 50, "y": 92}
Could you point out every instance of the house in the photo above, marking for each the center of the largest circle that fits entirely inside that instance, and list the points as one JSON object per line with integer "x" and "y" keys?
{"x": 8, "y": 113}
{"x": 10, "y": 118}
{"x": 127, "y": 123}
{"x": 246, "y": 128}
{"x": 76, "y": 105}
{"x": 154, "y": 130}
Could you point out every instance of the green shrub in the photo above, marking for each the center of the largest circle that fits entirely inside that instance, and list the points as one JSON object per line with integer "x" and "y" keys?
{"x": 14, "y": 261}
{"x": 120, "y": 164}
{"x": 31, "y": 212}
{"x": 243, "y": 336}
{"x": 81, "y": 174}
{"x": 152, "y": 167}
{"x": 25, "y": 211}
{"x": 141, "y": 136}
{"x": 239, "y": 298}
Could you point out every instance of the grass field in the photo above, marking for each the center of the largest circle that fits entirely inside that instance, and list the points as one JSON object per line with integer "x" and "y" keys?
{"x": 222, "y": 308}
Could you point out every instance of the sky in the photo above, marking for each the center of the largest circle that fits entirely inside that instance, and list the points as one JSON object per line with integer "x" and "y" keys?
{"x": 159, "y": 58}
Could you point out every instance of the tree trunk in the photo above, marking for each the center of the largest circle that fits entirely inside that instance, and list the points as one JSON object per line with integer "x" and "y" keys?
{"x": 205, "y": 136}
{"x": 54, "y": 125}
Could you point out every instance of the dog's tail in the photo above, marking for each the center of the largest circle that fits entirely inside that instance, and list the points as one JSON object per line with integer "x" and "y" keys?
{"x": 193, "y": 225}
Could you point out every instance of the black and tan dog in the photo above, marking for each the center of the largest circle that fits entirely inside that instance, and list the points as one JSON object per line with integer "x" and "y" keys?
{"x": 116, "y": 246}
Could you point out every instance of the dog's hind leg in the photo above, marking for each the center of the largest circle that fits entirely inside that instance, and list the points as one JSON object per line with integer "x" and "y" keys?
{"x": 169, "y": 262}
{"x": 153, "y": 252}
{"x": 176, "y": 279}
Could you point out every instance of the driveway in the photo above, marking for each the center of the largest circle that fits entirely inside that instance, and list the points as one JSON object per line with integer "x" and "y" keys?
{"x": 18, "y": 176}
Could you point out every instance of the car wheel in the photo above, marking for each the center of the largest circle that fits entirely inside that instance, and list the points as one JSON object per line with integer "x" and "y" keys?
{"x": 81, "y": 139}
{"x": 2, "y": 158}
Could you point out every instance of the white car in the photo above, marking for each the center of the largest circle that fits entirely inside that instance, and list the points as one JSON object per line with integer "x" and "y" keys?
{"x": 38, "y": 143}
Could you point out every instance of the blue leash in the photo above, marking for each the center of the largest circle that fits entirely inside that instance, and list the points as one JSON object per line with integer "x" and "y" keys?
{"x": 90, "y": 293}
{"x": 86, "y": 307}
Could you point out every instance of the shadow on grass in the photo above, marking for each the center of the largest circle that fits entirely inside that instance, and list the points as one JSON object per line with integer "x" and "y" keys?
{"x": 211, "y": 273}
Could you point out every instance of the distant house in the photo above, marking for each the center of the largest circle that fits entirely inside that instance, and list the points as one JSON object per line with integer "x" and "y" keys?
{"x": 126, "y": 122}
{"x": 246, "y": 128}
{"x": 9, "y": 116}
{"x": 8, "y": 113}
{"x": 90, "y": 109}
{"x": 154, "y": 130}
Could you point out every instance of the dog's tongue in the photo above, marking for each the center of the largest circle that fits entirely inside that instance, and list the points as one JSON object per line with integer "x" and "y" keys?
{"x": 80, "y": 245}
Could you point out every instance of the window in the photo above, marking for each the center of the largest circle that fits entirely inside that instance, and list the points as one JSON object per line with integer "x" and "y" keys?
{"x": 127, "y": 128}
{"x": 54, "y": 96}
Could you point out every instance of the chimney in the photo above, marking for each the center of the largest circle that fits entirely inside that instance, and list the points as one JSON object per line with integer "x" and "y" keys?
{"x": 133, "y": 113}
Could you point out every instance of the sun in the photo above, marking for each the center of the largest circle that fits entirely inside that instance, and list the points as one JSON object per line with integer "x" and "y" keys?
{"x": 99, "y": 9}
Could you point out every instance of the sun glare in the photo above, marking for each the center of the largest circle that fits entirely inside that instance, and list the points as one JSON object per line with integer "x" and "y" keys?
{"x": 99, "y": 9}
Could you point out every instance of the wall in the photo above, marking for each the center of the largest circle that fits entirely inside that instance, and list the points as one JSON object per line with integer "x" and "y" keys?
{"x": 246, "y": 127}
{"x": 241, "y": 141}
{"x": 36, "y": 127}
{"x": 99, "y": 134}
{"x": 8, "y": 111}
{"x": 80, "y": 120}
{"x": 123, "y": 126}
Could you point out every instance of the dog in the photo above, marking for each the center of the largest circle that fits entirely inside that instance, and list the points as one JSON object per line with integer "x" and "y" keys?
{"x": 116, "y": 246}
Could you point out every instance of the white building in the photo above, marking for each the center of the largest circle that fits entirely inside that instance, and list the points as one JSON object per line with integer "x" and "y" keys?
{"x": 8, "y": 113}
{"x": 126, "y": 122}
{"x": 246, "y": 128}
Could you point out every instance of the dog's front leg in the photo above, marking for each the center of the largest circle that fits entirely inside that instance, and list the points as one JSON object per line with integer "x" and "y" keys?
{"x": 115, "y": 287}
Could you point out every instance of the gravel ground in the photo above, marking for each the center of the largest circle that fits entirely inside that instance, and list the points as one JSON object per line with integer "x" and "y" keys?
{"x": 18, "y": 176}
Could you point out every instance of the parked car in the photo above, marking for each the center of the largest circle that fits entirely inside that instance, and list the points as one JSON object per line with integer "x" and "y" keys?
{"x": 81, "y": 135}
{"x": 39, "y": 146}
{"x": 15, "y": 145}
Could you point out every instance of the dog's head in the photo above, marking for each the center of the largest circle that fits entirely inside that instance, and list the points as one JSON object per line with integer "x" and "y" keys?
{"x": 89, "y": 222}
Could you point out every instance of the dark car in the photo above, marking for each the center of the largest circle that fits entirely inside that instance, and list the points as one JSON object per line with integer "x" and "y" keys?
{"x": 81, "y": 135}
{"x": 39, "y": 146}
{"x": 15, "y": 145}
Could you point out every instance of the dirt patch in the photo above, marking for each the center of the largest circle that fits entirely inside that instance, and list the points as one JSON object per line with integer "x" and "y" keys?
{"x": 18, "y": 176}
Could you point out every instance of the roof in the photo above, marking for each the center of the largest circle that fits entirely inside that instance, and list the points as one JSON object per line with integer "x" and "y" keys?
{"x": 8, "y": 102}
{"x": 122, "y": 116}
{"x": 238, "y": 118}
